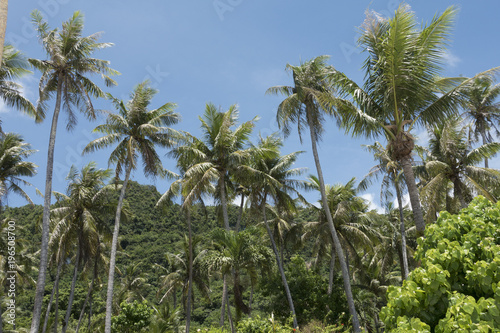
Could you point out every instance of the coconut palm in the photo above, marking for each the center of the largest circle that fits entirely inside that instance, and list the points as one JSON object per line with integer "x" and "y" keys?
{"x": 483, "y": 109}
{"x": 273, "y": 180}
{"x": 15, "y": 66}
{"x": 4, "y": 7}
{"x": 390, "y": 171}
{"x": 238, "y": 253}
{"x": 13, "y": 152}
{"x": 80, "y": 214}
{"x": 402, "y": 87}
{"x": 304, "y": 105}
{"x": 136, "y": 130}
{"x": 65, "y": 76}
{"x": 352, "y": 222}
{"x": 451, "y": 160}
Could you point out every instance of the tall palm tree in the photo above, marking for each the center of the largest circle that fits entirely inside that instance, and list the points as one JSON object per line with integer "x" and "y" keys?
{"x": 452, "y": 160}
{"x": 65, "y": 75}
{"x": 402, "y": 88}
{"x": 391, "y": 177}
{"x": 483, "y": 109}
{"x": 136, "y": 130}
{"x": 15, "y": 66}
{"x": 80, "y": 214}
{"x": 4, "y": 8}
{"x": 221, "y": 151}
{"x": 13, "y": 152}
{"x": 304, "y": 105}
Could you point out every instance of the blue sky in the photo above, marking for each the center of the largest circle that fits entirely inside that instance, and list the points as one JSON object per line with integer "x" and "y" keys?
{"x": 229, "y": 52}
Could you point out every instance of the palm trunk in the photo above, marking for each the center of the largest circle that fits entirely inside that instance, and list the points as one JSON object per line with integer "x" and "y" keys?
{"x": 223, "y": 301}
{"x": 457, "y": 191}
{"x": 485, "y": 140}
{"x": 413, "y": 192}
{"x": 44, "y": 251}
{"x": 190, "y": 276}
{"x": 332, "y": 272}
{"x": 240, "y": 213}
{"x": 112, "y": 259}
{"x": 88, "y": 296}
{"x": 223, "y": 202}
{"x": 280, "y": 264}
{"x": 72, "y": 292}
{"x": 56, "y": 312}
{"x": 336, "y": 242}
{"x": 403, "y": 234}
{"x": 229, "y": 315}
{"x": 4, "y": 5}
{"x": 56, "y": 284}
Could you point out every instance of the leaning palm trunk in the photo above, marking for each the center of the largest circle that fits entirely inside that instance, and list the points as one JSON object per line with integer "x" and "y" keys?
{"x": 336, "y": 241}
{"x": 403, "y": 234}
{"x": 457, "y": 191}
{"x": 4, "y": 5}
{"x": 114, "y": 245}
{"x": 224, "y": 297}
{"x": 190, "y": 277}
{"x": 485, "y": 140}
{"x": 56, "y": 284}
{"x": 229, "y": 315}
{"x": 280, "y": 265}
{"x": 72, "y": 292}
{"x": 413, "y": 192}
{"x": 44, "y": 251}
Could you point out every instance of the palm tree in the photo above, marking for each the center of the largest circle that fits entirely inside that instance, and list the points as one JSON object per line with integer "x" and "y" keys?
{"x": 14, "y": 66}
{"x": 136, "y": 130}
{"x": 402, "y": 88}
{"x": 304, "y": 106}
{"x": 352, "y": 222}
{"x": 452, "y": 160}
{"x": 391, "y": 171}
{"x": 482, "y": 109}
{"x": 238, "y": 253}
{"x": 273, "y": 179}
{"x": 80, "y": 214}
{"x": 65, "y": 75}
{"x": 4, "y": 7}
{"x": 13, "y": 152}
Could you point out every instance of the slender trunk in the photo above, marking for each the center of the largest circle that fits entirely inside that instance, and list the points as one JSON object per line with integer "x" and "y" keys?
{"x": 280, "y": 264}
{"x": 88, "y": 295}
{"x": 223, "y": 202}
{"x": 4, "y": 5}
{"x": 229, "y": 315}
{"x": 175, "y": 298}
{"x": 90, "y": 313}
{"x": 56, "y": 310}
{"x": 223, "y": 301}
{"x": 56, "y": 283}
{"x": 112, "y": 259}
{"x": 332, "y": 272}
{"x": 485, "y": 140}
{"x": 44, "y": 251}
{"x": 403, "y": 233}
{"x": 238, "y": 297}
{"x": 457, "y": 191}
{"x": 240, "y": 213}
{"x": 413, "y": 192}
{"x": 336, "y": 241}
{"x": 72, "y": 292}
{"x": 251, "y": 299}
{"x": 375, "y": 317}
{"x": 190, "y": 272}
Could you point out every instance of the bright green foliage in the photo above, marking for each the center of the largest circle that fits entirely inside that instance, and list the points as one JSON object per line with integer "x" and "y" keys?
{"x": 457, "y": 287}
{"x": 133, "y": 317}
{"x": 264, "y": 325}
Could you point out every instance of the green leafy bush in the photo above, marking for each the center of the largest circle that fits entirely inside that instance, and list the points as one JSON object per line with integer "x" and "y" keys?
{"x": 133, "y": 317}
{"x": 263, "y": 325}
{"x": 457, "y": 287}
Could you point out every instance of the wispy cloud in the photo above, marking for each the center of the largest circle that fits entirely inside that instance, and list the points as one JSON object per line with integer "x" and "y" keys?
{"x": 372, "y": 204}
{"x": 450, "y": 59}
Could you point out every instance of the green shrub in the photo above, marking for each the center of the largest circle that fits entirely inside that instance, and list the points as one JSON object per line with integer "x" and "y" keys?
{"x": 457, "y": 287}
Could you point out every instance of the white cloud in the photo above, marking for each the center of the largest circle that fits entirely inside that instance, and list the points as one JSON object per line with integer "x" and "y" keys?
{"x": 450, "y": 59}
{"x": 372, "y": 204}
